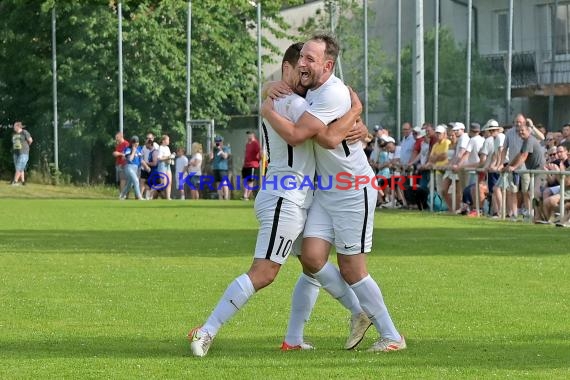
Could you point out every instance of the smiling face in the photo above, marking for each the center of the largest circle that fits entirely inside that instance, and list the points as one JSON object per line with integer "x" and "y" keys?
{"x": 314, "y": 67}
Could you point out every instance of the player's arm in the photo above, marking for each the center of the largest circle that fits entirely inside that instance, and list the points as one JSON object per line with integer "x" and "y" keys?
{"x": 330, "y": 137}
{"x": 275, "y": 89}
{"x": 294, "y": 134}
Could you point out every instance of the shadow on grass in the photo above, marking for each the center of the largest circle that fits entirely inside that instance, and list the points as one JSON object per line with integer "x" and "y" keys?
{"x": 227, "y": 243}
{"x": 516, "y": 353}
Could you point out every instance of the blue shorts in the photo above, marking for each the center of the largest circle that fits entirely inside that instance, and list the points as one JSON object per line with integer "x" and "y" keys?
{"x": 20, "y": 161}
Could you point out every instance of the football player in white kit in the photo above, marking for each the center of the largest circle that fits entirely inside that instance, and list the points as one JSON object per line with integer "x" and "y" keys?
{"x": 280, "y": 206}
{"x": 342, "y": 215}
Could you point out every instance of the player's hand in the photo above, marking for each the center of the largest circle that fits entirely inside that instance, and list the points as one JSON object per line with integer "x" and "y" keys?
{"x": 279, "y": 89}
{"x": 356, "y": 105}
{"x": 357, "y": 133}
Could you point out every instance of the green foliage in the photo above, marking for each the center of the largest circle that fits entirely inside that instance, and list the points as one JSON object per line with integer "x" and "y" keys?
{"x": 486, "y": 88}
{"x": 348, "y": 21}
{"x": 223, "y": 66}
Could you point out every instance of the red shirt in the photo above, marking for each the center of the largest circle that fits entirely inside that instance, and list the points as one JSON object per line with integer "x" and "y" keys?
{"x": 251, "y": 159}
{"x": 120, "y": 160}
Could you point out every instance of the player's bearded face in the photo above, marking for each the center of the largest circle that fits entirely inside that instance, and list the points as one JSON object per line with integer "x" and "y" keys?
{"x": 296, "y": 85}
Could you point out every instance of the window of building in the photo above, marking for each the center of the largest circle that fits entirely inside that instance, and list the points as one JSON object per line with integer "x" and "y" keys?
{"x": 503, "y": 31}
{"x": 562, "y": 40}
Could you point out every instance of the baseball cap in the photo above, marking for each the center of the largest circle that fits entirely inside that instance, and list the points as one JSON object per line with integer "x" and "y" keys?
{"x": 135, "y": 139}
{"x": 440, "y": 129}
{"x": 491, "y": 124}
{"x": 377, "y": 128}
{"x": 388, "y": 139}
{"x": 475, "y": 127}
{"x": 218, "y": 138}
{"x": 458, "y": 125}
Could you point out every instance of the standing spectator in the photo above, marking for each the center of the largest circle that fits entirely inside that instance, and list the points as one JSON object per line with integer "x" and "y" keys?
{"x": 406, "y": 145}
{"x": 250, "y": 168}
{"x": 149, "y": 146}
{"x": 150, "y": 162}
{"x": 220, "y": 157}
{"x": 195, "y": 167}
{"x": 438, "y": 158}
{"x": 21, "y": 141}
{"x": 133, "y": 157}
{"x": 165, "y": 158}
{"x": 120, "y": 145}
{"x": 565, "y": 136}
{"x": 180, "y": 168}
{"x": 530, "y": 154}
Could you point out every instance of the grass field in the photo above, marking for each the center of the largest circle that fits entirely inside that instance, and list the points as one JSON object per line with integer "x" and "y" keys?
{"x": 108, "y": 289}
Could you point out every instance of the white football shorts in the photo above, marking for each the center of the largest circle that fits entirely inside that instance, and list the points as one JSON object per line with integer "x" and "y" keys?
{"x": 280, "y": 224}
{"x": 344, "y": 219}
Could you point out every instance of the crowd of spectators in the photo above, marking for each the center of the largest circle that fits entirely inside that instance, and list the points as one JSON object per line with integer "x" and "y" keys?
{"x": 481, "y": 162}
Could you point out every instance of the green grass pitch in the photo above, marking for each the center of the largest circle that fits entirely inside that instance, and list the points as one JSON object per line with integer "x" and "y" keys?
{"x": 97, "y": 289}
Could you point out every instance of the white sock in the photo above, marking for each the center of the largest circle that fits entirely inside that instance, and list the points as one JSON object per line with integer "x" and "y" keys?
{"x": 235, "y": 297}
{"x": 331, "y": 280}
{"x": 303, "y": 300}
{"x": 370, "y": 297}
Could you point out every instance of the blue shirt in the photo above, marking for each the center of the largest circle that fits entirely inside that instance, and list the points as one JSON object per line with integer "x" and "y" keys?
{"x": 220, "y": 163}
{"x": 136, "y": 159}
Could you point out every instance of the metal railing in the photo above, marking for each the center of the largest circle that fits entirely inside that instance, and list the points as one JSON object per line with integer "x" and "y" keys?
{"x": 503, "y": 181}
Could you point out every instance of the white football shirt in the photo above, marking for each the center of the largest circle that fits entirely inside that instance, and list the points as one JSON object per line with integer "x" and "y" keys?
{"x": 328, "y": 103}
{"x": 291, "y": 168}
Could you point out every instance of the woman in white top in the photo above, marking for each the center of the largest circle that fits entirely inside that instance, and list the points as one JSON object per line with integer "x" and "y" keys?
{"x": 195, "y": 169}
{"x": 164, "y": 160}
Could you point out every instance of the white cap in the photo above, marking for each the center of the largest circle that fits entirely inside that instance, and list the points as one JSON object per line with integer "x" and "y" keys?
{"x": 491, "y": 124}
{"x": 388, "y": 139}
{"x": 457, "y": 126}
{"x": 419, "y": 131}
{"x": 440, "y": 129}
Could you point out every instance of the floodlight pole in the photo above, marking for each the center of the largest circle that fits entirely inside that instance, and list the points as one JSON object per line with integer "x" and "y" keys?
{"x": 259, "y": 121}
{"x": 468, "y": 94}
{"x": 399, "y": 68}
{"x": 188, "y": 66}
{"x": 365, "y": 5}
{"x": 54, "y": 76}
{"x": 120, "y": 16}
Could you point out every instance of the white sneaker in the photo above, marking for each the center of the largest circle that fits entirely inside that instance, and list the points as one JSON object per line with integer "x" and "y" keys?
{"x": 359, "y": 324}
{"x": 387, "y": 345}
{"x": 200, "y": 341}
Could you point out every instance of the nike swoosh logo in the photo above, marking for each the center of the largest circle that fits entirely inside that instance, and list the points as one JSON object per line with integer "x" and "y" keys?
{"x": 349, "y": 246}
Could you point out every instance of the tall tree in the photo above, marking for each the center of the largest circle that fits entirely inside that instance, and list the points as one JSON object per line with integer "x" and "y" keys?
{"x": 224, "y": 69}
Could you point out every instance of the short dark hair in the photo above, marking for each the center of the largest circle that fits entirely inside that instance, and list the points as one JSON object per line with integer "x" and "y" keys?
{"x": 292, "y": 55}
{"x": 332, "y": 48}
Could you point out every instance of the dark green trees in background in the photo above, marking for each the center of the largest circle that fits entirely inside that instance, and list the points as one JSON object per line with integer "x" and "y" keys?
{"x": 224, "y": 72}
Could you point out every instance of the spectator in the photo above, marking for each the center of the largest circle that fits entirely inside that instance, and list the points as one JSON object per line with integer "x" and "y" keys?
{"x": 180, "y": 171}
{"x": 250, "y": 169}
{"x": 21, "y": 141}
{"x": 438, "y": 158}
{"x": 493, "y": 164}
{"x": 406, "y": 145}
{"x": 149, "y": 146}
{"x": 120, "y": 145}
{"x": 133, "y": 157}
{"x": 165, "y": 159}
{"x": 530, "y": 153}
{"x": 148, "y": 168}
{"x": 513, "y": 144}
{"x": 195, "y": 169}
{"x": 220, "y": 164}
{"x": 565, "y": 140}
